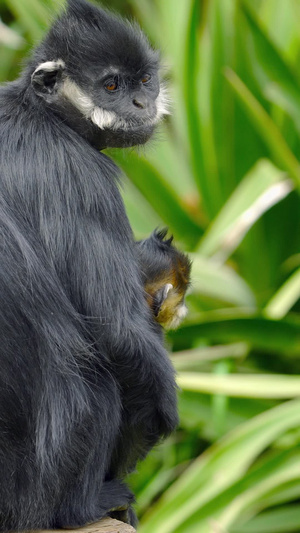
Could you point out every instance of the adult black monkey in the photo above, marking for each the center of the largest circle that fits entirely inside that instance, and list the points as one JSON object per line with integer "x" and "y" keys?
{"x": 86, "y": 387}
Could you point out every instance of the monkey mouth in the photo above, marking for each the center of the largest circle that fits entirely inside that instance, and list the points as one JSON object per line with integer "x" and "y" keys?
{"x": 108, "y": 120}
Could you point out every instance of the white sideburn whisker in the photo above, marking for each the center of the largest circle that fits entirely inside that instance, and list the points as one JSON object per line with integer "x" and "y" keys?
{"x": 102, "y": 118}
{"x": 162, "y": 103}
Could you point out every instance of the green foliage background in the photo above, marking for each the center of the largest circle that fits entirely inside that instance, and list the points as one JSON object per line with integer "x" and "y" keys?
{"x": 223, "y": 174}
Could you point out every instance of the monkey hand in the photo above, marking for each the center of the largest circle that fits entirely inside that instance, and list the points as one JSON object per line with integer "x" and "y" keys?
{"x": 157, "y": 408}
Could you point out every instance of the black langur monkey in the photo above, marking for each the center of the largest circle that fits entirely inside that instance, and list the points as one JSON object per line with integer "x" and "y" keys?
{"x": 86, "y": 386}
{"x": 166, "y": 277}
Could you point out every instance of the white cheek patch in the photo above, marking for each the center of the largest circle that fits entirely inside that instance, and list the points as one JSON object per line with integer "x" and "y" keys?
{"x": 50, "y": 66}
{"x": 108, "y": 119}
{"x": 102, "y": 118}
{"x": 99, "y": 116}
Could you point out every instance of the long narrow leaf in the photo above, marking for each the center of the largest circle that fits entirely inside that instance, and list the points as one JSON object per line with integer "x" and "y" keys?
{"x": 285, "y": 297}
{"x": 249, "y": 497}
{"x": 161, "y": 196}
{"x": 283, "y": 520}
{"x": 278, "y": 82}
{"x": 261, "y": 188}
{"x": 236, "y": 326}
{"x": 190, "y": 80}
{"x": 33, "y": 15}
{"x": 265, "y": 127}
{"x": 190, "y": 358}
{"x": 242, "y": 386}
{"x": 220, "y": 282}
{"x": 219, "y": 467}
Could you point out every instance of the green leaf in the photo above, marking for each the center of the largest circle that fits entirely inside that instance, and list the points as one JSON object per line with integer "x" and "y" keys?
{"x": 285, "y": 493}
{"x": 190, "y": 82}
{"x": 32, "y": 15}
{"x": 10, "y": 38}
{"x": 141, "y": 215}
{"x": 269, "y": 56}
{"x": 221, "y": 466}
{"x": 246, "y": 496}
{"x": 186, "y": 359}
{"x": 266, "y": 128}
{"x": 220, "y": 282}
{"x": 275, "y": 76}
{"x": 148, "y": 13}
{"x": 261, "y": 188}
{"x": 217, "y": 108}
{"x": 242, "y": 326}
{"x": 251, "y": 496}
{"x": 200, "y": 119}
{"x": 160, "y": 195}
{"x": 284, "y": 299}
{"x": 266, "y": 386}
{"x": 283, "y": 520}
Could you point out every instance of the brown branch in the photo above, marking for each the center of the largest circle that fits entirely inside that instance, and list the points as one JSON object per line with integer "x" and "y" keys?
{"x": 106, "y": 525}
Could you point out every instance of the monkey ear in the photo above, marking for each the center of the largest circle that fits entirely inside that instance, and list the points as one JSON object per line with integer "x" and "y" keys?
{"x": 46, "y": 78}
{"x": 160, "y": 297}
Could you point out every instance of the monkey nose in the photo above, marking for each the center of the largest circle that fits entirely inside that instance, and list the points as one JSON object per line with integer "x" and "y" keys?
{"x": 140, "y": 102}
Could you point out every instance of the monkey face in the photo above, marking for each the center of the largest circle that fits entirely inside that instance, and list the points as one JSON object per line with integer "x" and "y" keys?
{"x": 105, "y": 73}
{"x": 133, "y": 105}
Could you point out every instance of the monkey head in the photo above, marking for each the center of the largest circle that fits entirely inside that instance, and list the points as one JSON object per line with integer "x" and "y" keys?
{"x": 166, "y": 277}
{"x": 101, "y": 75}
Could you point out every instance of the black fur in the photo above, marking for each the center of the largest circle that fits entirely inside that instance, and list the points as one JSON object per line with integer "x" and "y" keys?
{"x": 86, "y": 387}
{"x": 156, "y": 255}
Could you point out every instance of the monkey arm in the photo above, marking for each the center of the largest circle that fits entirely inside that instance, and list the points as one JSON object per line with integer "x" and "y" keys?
{"x": 47, "y": 404}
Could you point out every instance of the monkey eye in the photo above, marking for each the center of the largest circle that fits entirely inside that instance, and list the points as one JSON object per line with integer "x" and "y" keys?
{"x": 146, "y": 78}
{"x": 111, "y": 85}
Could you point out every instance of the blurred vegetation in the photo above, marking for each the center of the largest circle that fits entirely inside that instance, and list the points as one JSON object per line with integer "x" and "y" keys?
{"x": 224, "y": 175}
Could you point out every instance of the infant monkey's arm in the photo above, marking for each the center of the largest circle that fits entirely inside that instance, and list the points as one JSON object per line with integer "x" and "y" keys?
{"x": 166, "y": 277}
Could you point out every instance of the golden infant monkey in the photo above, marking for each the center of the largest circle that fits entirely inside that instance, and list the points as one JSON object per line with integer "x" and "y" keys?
{"x": 166, "y": 277}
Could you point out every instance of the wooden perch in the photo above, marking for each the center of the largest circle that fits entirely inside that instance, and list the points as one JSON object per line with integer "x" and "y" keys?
{"x": 106, "y": 525}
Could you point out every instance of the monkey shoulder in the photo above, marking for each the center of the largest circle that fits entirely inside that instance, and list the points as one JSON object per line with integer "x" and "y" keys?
{"x": 39, "y": 151}
{"x": 50, "y": 173}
